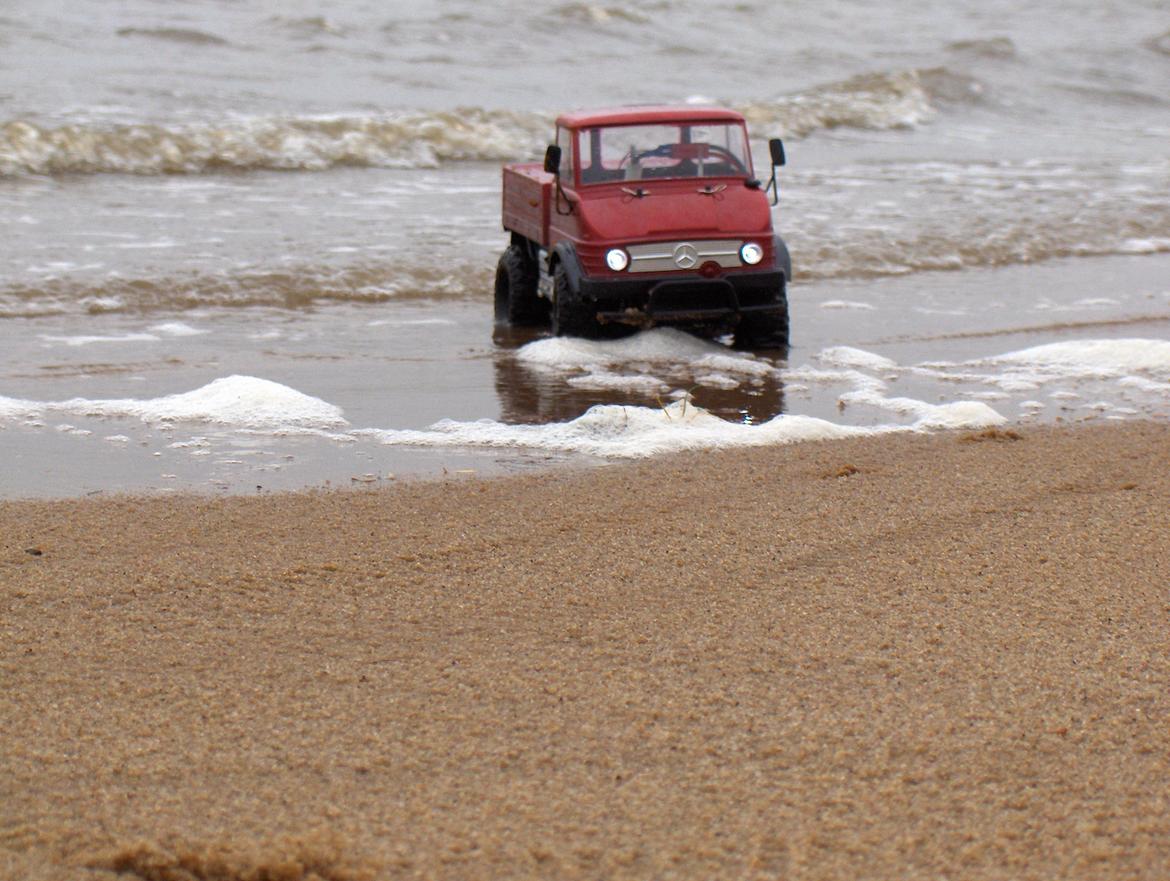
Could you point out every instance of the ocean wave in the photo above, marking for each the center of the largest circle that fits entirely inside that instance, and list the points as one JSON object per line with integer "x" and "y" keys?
{"x": 306, "y": 285}
{"x": 186, "y": 36}
{"x": 308, "y": 26}
{"x": 992, "y": 47}
{"x": 1113, "y": 97}
{"x": 876, "y": 101}
{"x": 405, "y": 140}
{"x": 940, "y": 252}
{"x": 1161, "y": 43}
{"x": 598, "y": 14}
{"x": 421, "y": 139}
{"x": 288, "y": 288}
{"x": 928, "y": 216}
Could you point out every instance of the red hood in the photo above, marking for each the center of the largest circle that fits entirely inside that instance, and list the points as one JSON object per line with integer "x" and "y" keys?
{"x": 673, "y": 209}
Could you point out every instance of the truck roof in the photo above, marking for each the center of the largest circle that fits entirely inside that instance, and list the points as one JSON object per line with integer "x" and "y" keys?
{"x": 647, "y": 114}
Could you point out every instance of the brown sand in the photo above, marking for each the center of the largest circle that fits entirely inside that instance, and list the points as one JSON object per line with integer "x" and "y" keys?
{"x": 916, "y": 657}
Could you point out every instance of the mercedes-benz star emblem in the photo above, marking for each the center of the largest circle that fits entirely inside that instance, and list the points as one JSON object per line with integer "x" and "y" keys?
{"x": 686, "y": 255}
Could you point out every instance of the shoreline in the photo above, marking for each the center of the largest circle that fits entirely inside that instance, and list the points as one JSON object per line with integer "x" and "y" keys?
{"x": 897, "y": 657}
{"x": 406, "y": 366}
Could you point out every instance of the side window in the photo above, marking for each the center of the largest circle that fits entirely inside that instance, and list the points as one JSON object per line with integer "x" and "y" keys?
{"x": 566, "y": 145}
{"x": 589, "y": 155}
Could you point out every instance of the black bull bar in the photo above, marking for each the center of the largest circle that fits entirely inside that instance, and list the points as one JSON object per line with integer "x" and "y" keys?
{"x": 689, "y": 300}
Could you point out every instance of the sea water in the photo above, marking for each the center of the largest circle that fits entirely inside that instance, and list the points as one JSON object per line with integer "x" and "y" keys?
{"x": 253, "y": 245}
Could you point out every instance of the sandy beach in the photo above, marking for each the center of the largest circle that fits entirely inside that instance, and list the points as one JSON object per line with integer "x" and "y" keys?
{"x": 932, "y": 656}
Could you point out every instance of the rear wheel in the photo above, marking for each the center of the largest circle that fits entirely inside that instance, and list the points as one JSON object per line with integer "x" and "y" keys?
{"x": 517, "y": 302}
{"x": 766, "y": 330}
{"x": 571, "y": 316}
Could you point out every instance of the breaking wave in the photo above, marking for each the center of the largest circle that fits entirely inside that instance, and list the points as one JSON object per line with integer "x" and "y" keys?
{"x": 422, "y": 139}
{"x": 404, "y": 140}
{"x": 287, "y": 288}
{"x": 942, "y": 252}
{"x": 306, "y": 285}
{"x": 872, "y": 101}
{"x": 972, "y": 215}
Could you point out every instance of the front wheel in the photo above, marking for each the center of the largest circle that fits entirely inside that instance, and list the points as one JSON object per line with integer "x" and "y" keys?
{"x": 765, "y": 330}
{"x": 571, "y": 316}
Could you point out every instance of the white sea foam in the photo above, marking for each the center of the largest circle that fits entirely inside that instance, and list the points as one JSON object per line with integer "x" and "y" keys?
{"x": 857, "y": 380}
{"x": 66, "y": 428}
{"x": 83, "y": 340}
{"x": 1066, "y": 362}
{"x": 1142, "y": 384}
{"x": 602, "y": 380}
{"x": 869, "y": 390}
{"x": 717, "y": 380}
{"x": 615, "y": 431}
{"x": 957, "y": 414}
{"x": 634, "y": 362}
{"x": 1017, "y": 382}
{"x": 730, "y": 362}
{"x": 176, "y": 328}
{"x": 1152, "y": 245}
{"x": 847, "y": 304}
{"x": 235, "y": 401}
{"x": 14, "y": 408}
{"x": 1102, "y": 357}
{"x": 662, "y": 345}
{"x": 846, "y": 356}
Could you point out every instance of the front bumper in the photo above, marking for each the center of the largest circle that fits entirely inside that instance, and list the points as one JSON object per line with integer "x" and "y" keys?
{"x": 675, "y": 298}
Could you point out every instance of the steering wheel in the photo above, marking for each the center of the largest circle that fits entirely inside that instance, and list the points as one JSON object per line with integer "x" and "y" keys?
{"x": 726, "y": 155}
{"x": 660, "y": 150}
{"x": 667, "y": 150}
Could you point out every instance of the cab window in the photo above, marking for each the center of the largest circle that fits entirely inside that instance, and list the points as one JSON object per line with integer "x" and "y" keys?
{"x": 673, "y": 150}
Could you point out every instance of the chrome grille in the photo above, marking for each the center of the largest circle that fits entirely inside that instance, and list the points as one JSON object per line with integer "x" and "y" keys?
{"x": 673, "y": 256}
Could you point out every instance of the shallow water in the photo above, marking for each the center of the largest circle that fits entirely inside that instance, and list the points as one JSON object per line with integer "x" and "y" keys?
{"x": 214, "y": 191}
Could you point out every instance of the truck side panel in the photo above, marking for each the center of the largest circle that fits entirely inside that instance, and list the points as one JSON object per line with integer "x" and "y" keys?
{"x": 527, "y": 197}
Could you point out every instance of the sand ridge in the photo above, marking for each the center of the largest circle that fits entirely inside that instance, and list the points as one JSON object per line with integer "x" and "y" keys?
{"x": 908, "y": 657}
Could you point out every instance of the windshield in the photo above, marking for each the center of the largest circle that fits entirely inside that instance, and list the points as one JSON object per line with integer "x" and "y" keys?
{"x": 653, "y": 152}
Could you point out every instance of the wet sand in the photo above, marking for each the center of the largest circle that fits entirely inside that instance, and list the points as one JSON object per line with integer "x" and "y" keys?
{"x": 909, "y": 657}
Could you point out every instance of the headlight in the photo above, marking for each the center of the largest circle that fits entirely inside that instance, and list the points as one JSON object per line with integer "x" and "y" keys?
{"x": 751, "y": 253}
{"x": 617, "y": 259}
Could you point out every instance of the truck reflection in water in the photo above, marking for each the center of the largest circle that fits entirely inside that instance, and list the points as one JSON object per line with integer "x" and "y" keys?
{"x": 534, "y": 396}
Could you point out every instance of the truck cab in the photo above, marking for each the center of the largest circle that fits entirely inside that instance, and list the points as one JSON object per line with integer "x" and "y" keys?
{"x": 643, "y": 216}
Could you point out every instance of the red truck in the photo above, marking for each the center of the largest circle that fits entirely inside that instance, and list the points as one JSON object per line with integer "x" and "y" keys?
{"x": 641, "y": 216}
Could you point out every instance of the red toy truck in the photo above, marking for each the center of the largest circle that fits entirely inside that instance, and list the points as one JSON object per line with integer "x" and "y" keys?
{"x": 643, "y": 216}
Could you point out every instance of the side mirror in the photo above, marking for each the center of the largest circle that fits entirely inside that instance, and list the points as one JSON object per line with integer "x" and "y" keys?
{"x": 552, "y": 159}
{"x": 776, "y": 148}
